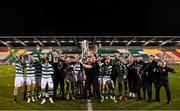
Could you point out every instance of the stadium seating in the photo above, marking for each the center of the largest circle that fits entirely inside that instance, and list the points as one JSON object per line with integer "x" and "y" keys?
{"x": 108, "y": 51}
{"x": 134, "y": 52}
{"x": 5, "y": 55}
{"x": 175, "y": 58}
{"x": 176, "y": 53}
{"x": 165, "y": 50}
{"x": 167, "y": 55}
{"x": 178, "y": 50}
{"x": 162, "y": 54}
{"x": 21, "y": 51}
{"x": 152, "y": 51}
{"x": 144, "y": 56}
{"x": 173, "y": 54}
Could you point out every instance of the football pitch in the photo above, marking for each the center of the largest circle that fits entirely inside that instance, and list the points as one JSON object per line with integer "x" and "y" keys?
{"x": 6, "y": 97}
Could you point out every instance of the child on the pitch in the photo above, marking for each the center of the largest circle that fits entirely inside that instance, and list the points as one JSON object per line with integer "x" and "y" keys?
{"x": 106, "y": 69}
{"x": 19, "y": 76}
{"x": 47, "y": 73}
{"x": 30, "y": 78}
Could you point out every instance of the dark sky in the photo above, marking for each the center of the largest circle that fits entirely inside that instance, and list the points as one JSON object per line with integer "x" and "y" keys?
{"x": 95, "y": 17}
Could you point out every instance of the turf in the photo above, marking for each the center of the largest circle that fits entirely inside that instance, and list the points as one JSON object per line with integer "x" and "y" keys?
{"x": 6, "y": 101}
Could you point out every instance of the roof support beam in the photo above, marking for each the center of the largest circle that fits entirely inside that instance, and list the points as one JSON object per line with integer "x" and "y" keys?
{"x": 75, "y": 40}
{"x": 57, "y": 41}
{"x": 23, "y": 43}
{"x": 177, "y": 44}
{"x": 146, "y": 43}
{"x": 94, "y": 41}
{"x": 130, "y": 41}
{"x": 6, "y": 44}
{"x": 112, "y": 41}
{"x": 163, "y": 43}
{"x": 38, "y": 41}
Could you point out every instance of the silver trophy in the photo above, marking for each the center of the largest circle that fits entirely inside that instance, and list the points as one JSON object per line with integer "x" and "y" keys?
{"x": 85, "y": 48}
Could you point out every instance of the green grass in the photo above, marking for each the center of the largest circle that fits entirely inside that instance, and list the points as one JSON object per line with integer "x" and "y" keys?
{"x": 6, "y": 101}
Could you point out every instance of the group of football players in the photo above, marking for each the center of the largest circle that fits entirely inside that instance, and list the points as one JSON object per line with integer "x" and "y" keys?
{"x": 43, "y": 71}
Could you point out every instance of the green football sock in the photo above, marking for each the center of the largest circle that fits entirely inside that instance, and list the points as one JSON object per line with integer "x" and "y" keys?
{"x": 29, "y": 94}
{"x": 33, "y": 93}
{"x": 103, "y": 93}
{"x": 15, "y": 97}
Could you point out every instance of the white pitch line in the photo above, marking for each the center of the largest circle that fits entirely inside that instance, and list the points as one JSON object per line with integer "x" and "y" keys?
{"x": 89, "y": 106}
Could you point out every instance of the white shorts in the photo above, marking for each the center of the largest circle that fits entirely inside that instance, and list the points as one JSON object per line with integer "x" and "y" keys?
{"x": 19, "y": 82}
{"x": 45, "y": 81}
{"x": 105, "y": 79}
{"x": 30, "y": 80}
{"x": 100, "y": 79}
{"x": 76, "y": 77}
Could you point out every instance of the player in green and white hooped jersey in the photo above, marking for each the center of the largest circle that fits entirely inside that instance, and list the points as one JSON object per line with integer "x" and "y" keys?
{"x": 37, "y": 53}
{"x": 47, "y": 73}
{"x": 30, "y": 78}
{"x": 19, "y": 76}
{"x": 106, "y": 69}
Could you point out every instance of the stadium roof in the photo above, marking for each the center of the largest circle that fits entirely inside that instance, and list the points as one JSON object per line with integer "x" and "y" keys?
{"x": 104, "y": 40}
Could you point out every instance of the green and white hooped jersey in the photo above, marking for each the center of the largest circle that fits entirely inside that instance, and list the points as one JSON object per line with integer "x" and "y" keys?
{"x": 19, "y": 69}
{"x": 77, "y": 68}
{"x": 37, "y": 61}
{"x": 19, "y": 65}
{"x": 37, "y": 55}
{"x": 47, "y": 70}
{"x": 30, "y": 69}
{"x": 106, "y": 70}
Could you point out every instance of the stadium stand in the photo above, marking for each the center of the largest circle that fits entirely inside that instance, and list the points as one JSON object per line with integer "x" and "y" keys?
{"x": 21, "y": 51}
{"x": 152, "y": 51}
{"x": 135, "y": 45}
{"x": 165, "y": 54}
{"x": 175, "y": 58}
{"x": 178, "y": 50}
{"x": 134, "y": 52}
{"x": 176, "y": 53}
{"x": 5, "y": 55}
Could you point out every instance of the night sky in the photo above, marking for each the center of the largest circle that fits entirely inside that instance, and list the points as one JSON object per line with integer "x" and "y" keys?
{"x": 95, "y": 17}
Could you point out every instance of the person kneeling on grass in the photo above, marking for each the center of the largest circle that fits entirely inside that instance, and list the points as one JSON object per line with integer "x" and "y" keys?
{"x": 30, "y": 79}
{"x": 47, "y": 72}
{"x": 106, "y": 69}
